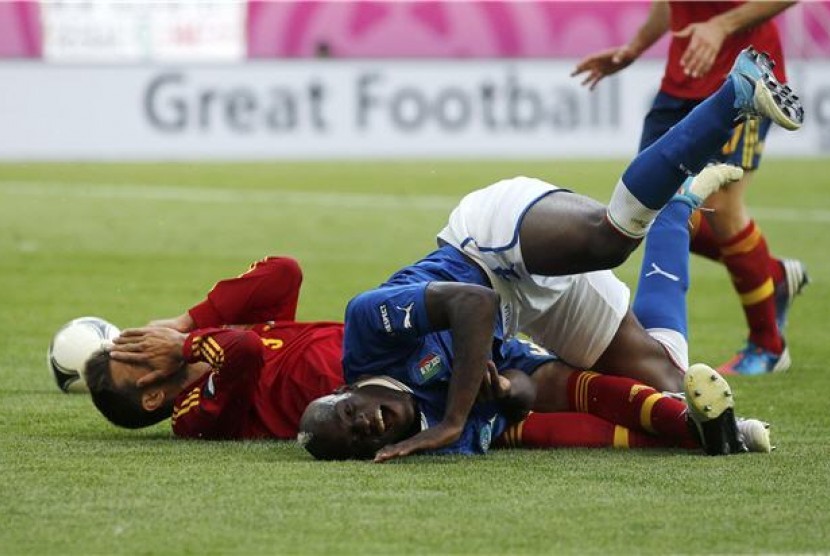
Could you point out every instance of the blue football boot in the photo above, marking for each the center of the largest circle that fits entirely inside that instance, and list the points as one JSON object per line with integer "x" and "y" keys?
{"x": 758, "y": 92}
{"x": 755, "y": 360}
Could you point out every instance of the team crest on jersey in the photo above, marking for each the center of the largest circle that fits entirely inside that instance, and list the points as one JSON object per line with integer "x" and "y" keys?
{"x": 429, "y": 366}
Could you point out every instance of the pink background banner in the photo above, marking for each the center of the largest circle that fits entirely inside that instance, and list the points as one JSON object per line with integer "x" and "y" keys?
{"x": 434, "y": 29}
{"x": 20, "y": 30}
{"x": 479, "y": 29}
{"x": 437, "y": 29}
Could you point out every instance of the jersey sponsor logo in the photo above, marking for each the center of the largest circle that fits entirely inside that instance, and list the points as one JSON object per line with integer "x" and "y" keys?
{"x": 485, "y": 436}
{"x": 384, "y": 317}
{"x": 660, "y": 272}
{"x": 210, "y": 387}
{"x": 429, "y": 366}
{"x": 407, "y": 319}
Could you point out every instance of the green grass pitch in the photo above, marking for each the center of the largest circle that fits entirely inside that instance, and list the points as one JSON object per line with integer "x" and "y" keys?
{"x": 135, "y": 242}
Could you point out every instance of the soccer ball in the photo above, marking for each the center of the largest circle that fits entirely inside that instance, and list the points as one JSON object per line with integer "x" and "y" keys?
{"x": 72, "y": 345}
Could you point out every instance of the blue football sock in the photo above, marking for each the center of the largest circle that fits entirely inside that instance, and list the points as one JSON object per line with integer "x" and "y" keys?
{"x": 654, "y": 176}
{"x": 664, "y": 276}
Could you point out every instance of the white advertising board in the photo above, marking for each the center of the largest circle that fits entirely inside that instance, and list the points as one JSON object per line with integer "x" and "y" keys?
{"x": 183, "y": 31}
{"x": 338, "y": 109}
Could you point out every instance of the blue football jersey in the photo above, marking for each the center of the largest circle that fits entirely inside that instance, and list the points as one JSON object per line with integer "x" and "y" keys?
{"x": 387, "y": 332}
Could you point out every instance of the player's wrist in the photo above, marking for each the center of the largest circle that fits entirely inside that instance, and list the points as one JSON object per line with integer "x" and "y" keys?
{"x": 724, "y": 25}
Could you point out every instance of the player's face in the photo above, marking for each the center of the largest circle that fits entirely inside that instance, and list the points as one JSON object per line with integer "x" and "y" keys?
{"x": 372, "y": 417}
{"x": 126, "y": 374}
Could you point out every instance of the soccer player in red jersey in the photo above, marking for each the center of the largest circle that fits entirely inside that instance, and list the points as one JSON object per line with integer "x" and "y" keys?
{"x": 706, "y": 37}
{"x": 251, "y": 381}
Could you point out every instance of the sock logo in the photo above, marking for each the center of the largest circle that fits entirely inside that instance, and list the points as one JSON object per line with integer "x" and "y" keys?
{"x": 659, "y": 271}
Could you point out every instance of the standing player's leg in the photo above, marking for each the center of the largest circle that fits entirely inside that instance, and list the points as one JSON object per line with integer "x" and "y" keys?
{"x": 761, "y": 281}
{"x": 568, "y": 234}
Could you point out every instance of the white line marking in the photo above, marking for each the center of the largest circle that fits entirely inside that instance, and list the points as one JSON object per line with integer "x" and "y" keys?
{"x": 226, "y": 195}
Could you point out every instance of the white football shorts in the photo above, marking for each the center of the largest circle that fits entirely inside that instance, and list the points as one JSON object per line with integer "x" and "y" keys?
{"x": 574, "y": 316}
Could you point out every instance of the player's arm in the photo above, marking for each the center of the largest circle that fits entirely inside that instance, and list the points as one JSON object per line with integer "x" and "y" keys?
{"x": 512, "y": 390}
{"x": 610, "y": 61}
{"x": 267, "y": 291}
{"x": 469, "y": 313}
{"x": 706, "y": 38}
{"x": 229, "y": 351}
{"x": 235, "y": 356}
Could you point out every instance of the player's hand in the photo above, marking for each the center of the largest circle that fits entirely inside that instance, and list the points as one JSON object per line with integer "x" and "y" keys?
{"x": 494, "y": 386}
{"x": 602, "y": 64}
{"x": 430, "y": 439}
{"x": 705, "y": 41}
{"x": 182, "y": 323}
{"x": 158, "y": 348}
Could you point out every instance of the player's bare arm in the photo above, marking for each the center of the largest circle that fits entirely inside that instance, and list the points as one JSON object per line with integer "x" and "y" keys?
{"x": 159, "y": 348}
{"x": 706, "y": 38}
{"x": 610, "y": 61}
{"x": 513, "y": 391}
{"x": 182, "y": 323}
{"x": 469, "y": 313}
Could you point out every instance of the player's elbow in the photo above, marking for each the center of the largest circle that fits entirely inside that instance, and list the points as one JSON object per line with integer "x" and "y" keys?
{"x": 285, "y": 270}
{"x": 477, "y": 300}
{"x": 249, "y": 348}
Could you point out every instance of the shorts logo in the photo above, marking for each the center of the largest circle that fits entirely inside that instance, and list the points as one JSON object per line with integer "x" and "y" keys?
{"x": 506, "y": 273}
{"x": 384, "y": 316}
{"x": 429, "y": 366}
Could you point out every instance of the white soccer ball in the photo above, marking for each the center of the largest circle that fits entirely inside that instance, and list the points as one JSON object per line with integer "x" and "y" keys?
{"x": 72, "y": 345}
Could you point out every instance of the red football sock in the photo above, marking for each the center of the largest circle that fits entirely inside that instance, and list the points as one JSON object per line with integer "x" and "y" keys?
{"x": 626, "y": 402}
{"x": 703, "y": 241}
{"x": 747, "y": 258}
{"x": 577, "y": 430}
{"x": 776, "y": 270}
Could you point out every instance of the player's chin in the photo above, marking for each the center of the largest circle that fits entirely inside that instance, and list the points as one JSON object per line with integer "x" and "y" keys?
{"x": 397, "y": 424}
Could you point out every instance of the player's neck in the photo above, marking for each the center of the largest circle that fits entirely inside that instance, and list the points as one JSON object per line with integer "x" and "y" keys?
{"x": 194, "y": 372}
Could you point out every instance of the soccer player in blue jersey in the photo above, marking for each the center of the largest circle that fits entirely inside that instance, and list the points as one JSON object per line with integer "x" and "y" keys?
{"x": 400, "y": 383}
{"x": 525, "y": 256}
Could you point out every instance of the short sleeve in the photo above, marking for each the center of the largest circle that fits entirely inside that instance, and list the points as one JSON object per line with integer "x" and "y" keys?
{"x": 383, "y": 326}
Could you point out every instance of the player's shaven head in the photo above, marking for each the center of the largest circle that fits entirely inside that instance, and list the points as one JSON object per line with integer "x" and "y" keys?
{"x": 319, "y": 433}
{"x": 121, "y": 406}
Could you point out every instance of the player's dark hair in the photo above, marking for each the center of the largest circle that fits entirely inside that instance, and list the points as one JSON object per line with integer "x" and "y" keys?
{"x": 121, "y": 406}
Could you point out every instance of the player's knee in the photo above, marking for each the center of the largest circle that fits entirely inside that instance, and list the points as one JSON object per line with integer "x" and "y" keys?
{"x": 669, "y": 380}
{"x": 611, "y": 247}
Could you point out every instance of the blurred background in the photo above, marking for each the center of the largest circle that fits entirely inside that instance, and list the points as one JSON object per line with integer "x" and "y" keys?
{"x": 201, "y": 80}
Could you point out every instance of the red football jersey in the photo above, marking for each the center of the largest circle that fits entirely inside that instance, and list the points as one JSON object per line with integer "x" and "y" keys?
{"x": 264, "y": 375}
{"x": 763, "y": 37}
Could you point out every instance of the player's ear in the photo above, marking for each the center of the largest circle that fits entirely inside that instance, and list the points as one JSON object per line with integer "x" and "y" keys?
{"x": 152, "y": 399}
